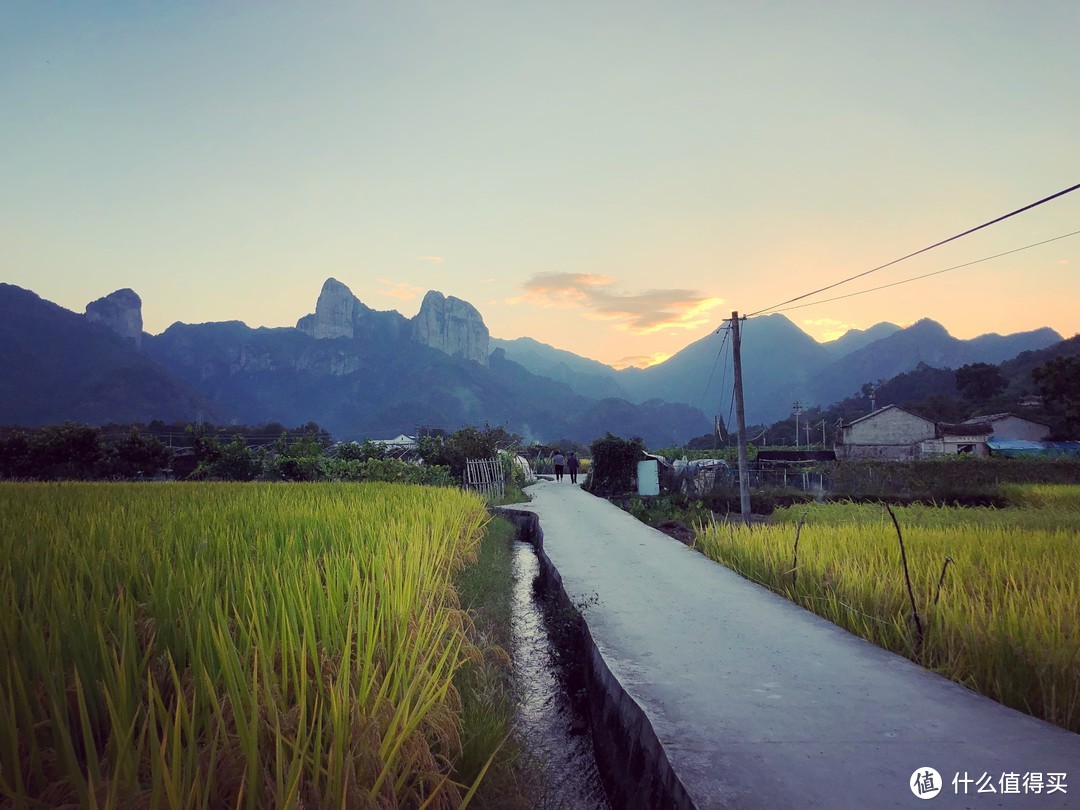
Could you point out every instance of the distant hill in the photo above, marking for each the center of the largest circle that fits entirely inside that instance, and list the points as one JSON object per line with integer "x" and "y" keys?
{"x": 855, "y": 339}
{"x": 782, "y": 364}
{"x": 924, "y": 342}
{"x": 56, "y": 365}
{"x": 358, "y": 372}
{"x": 364, "y": 373}
{"x": 586, "y": 377}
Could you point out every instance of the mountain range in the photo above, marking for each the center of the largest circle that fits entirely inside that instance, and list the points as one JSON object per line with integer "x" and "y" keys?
{"x": 365, "y": 373}
{"x": 781, "y": 364}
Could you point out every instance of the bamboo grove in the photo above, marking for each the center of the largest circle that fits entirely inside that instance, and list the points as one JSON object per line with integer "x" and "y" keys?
{"x": 232, "y": 645}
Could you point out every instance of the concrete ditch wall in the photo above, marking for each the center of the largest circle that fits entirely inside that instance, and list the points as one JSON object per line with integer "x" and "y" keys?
{"x": 632, "y": 762}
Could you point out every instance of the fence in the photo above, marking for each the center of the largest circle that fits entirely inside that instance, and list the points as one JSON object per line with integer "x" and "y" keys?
{"x": 485, "y": 475}
{"x": 702, "y": 477}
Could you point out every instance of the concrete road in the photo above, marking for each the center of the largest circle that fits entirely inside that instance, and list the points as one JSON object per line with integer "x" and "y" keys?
{"x": 760, "y": 703}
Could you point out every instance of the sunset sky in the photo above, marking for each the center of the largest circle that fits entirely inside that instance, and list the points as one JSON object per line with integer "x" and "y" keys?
{"x": 609, "y": 178}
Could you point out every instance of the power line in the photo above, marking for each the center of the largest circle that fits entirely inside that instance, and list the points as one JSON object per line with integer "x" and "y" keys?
{"x": 719, "y": 352}
{"x": 928, "y": 275}
{"x": 923, "y": 250}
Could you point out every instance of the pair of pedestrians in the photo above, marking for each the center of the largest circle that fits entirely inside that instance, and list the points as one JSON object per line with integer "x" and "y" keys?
{"x": 570, "y": 463}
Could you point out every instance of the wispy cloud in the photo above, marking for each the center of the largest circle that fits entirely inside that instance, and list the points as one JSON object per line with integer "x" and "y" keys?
{"x": 431, "y": 259}
{"x": 640, "y": 313}
{"x": 400, "y": 289}
{"x": 641, "y": 360}
{"x": 827, "y": 329}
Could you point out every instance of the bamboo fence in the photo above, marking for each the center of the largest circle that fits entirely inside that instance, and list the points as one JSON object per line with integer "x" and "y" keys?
{"x": 485, "y": 475}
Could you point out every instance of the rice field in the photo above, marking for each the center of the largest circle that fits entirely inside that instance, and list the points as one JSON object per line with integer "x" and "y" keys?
{"x": 1005, "y": 620}
{"x": 232, "y": 645}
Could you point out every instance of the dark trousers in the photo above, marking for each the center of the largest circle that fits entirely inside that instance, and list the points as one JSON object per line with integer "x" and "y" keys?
{"x": 558, "y": 472}
{"x": 573, "y": 475}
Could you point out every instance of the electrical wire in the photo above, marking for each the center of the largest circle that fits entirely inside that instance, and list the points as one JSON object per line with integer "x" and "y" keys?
{"x": 927, "y": 275}
{"x": 719, "y": 352}
{"x": 917, "y": 252}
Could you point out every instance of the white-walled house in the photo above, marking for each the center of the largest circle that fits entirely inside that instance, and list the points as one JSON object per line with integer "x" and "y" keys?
{"x": 889, "y": 433}
{"x": 1007, "y": 426}
{"x": 399, "y": 442}
{"x": 893, "y": 433}
{"x": 966, "y": 438}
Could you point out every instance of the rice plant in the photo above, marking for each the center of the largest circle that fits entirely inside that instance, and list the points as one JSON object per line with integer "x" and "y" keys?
{"x": 1001, "y": 619}
{"x": 240, "y": 645}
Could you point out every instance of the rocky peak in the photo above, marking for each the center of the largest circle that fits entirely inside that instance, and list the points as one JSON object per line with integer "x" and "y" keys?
{"x": 452, "y": 326}
{"x": 336, "y": 312}
{"x": 121, "y": 312}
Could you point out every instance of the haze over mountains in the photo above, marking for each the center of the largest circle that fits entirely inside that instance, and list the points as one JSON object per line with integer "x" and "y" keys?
{"x": 361, "y": 372}
{"x": 781, "y": 364}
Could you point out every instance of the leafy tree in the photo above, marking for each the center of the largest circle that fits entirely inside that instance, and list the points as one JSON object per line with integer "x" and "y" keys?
{"x": 297, "y": 460}
{"x": 68, "y": 452}
{"x": 1059, "y": 383}
{"x": 942, "y": 408}
{"x": 360, "y": 451}
{"x": 468, "y": 443}
{"x": 16, "y": 459}
{"x": 138, "y": 454}
{"x": 980, "y": 381}
{"x": 614, "y": 463}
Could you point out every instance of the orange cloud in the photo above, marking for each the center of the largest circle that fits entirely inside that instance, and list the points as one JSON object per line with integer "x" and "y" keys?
{"x": 400, "y": 289}
{"x": 640, "y": 313}
{"x": 826, "y": 329}
{"x": 641, "y": 360}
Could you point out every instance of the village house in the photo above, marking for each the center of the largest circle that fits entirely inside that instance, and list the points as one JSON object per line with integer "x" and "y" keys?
{"x": 966, "y": 438}
{"x": 889, "y": 433}
{"x": 1007, "y": 426}
{"x": 401, "y": 446}
{"x": 893, "y": 433}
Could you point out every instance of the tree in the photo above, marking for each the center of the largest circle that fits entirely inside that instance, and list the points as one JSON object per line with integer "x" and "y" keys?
{"x": 980, "y": 381}
{"x": 16, "y": 455}
{"x": 68, "y": 452}
{"x": 1059, "y": 383}
{"x": 138, "y": 455}
{"x": 298, "y": 460}
{"x": 468, "y": 443}
{"x": 614, "y": 463}
{"x": 357, "y": 451}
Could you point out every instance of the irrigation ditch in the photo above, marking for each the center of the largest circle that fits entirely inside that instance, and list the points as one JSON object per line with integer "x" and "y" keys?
{"x": 594, "y": 742}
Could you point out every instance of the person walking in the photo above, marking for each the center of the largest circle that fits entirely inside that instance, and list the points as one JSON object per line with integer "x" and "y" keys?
{"x": 572, "y": 465}
{"x": 558, "y": 460}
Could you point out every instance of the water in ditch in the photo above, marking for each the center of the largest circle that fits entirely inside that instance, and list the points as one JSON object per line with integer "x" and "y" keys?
{"x": 556, "y": 737}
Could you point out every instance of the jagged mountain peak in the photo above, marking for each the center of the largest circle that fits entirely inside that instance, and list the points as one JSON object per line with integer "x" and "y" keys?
{"x": 336, "y": 313}
{"x": 120, "y": 311}
{"x": 452, "y": 326}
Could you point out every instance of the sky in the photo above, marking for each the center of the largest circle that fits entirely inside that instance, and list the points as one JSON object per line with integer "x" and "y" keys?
{"x": 610, "y": 178}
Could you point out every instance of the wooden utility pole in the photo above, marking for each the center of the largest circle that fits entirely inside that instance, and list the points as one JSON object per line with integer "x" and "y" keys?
{"x": 740, "y": 416}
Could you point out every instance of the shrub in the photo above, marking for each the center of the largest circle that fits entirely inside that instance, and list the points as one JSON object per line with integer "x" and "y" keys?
{"x": 614, "y": 464}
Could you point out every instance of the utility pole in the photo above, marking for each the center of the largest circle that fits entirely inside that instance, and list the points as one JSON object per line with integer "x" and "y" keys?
{"x": 797, "y": 408}
{"x": 740, "y": 417}
{"x": 823, "y": 435}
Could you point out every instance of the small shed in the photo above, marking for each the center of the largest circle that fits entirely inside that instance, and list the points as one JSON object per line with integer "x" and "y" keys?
{"x": 958, "y": 440}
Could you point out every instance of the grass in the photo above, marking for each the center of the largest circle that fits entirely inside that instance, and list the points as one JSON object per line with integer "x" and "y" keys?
{"x": 1005, "y": 621}
{"x": 241, "y": 645}
{"x": 486, "y": 683}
